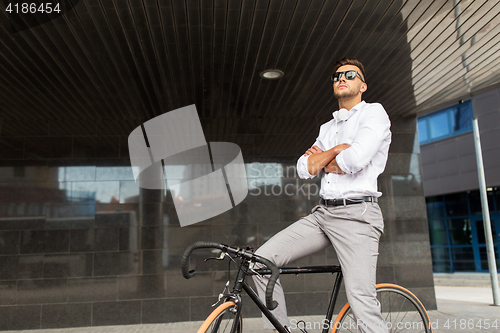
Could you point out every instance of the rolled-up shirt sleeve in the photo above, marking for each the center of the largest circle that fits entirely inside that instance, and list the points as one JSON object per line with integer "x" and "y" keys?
{"x": 302, "y": 169}
{"x": 371, "y": 135}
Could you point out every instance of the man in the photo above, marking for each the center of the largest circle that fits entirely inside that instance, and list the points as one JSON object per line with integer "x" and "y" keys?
{"x": 351, "y": 150}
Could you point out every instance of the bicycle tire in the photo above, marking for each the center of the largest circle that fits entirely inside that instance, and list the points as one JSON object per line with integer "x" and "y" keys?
{"x": 401, "y": 309}
{"x": 221, "y": 320}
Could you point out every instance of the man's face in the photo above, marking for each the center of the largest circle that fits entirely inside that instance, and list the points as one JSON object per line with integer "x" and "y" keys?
{"x": 344, "y": 89}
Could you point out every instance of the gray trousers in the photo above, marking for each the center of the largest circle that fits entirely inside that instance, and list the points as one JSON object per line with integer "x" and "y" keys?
{"x": 354, "y": 231}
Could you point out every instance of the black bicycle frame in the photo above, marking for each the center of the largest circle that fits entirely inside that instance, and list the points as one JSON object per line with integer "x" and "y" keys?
{"x": 240, "y": 285}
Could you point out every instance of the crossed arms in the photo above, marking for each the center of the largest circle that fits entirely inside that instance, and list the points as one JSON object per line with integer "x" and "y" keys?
{"x": 320, "y": 159}
{"x": 368, "y": 139}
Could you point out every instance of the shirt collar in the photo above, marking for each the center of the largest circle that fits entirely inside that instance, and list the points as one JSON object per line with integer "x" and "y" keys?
{"x": 356, "y": 107}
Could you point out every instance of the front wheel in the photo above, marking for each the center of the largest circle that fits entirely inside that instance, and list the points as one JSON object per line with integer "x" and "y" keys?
{"x": 401, "y": 310}
{"x": 222, "y": 320}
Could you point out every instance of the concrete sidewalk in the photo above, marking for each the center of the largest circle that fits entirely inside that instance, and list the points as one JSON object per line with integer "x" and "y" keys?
{"x": 463, "y": 279}
{"x": 463, "y": 307}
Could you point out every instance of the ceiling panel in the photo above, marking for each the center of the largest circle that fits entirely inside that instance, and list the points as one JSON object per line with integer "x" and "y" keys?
{"x": 122, "y": 62}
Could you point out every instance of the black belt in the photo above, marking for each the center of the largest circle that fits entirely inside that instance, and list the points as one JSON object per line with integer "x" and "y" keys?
{"x": 346, "y": 201}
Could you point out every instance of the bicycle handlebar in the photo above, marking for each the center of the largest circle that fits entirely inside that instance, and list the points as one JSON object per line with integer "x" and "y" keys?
{"x": 270, "y": 303}
{"x": 185, "y": 258}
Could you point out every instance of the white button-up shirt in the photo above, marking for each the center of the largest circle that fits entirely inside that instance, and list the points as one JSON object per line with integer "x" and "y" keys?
{"x": 367, "y": 131}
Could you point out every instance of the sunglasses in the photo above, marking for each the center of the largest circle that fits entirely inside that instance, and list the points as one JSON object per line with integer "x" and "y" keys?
{"x": 349, "y": 75}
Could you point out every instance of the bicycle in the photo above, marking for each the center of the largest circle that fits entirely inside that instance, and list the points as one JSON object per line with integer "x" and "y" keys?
{"x": 401, "y": 309}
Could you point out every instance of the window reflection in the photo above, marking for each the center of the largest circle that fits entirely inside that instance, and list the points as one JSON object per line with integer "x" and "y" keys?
{"x": 423, "y": 133}
{"x": 481, "y": 236}
{"x": 441, "y": 259}
{"x": 264, "y": 174}
{"x": 435, "y": 207}
{"x": 476, "y": 207}
{"x": 484, "y": 259}
{"x": 463, "y": 259}
{"x": 74, "y": 191}
{"x": 460, "y": 231}
{"x": 74, "y": 173}
{"x": 456, "y": 227}
{"x": 455, "y": 204}
{"x": 439, "y": 125}
{"x": 445, "y": 123}
{"x": 438, "y": 233}
{"x": 462, "y": 117}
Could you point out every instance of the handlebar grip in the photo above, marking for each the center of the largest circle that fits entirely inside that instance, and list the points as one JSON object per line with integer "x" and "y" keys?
{"x": 275, "y": 272}
{"x": 185, "y": 258}
{"x": 271, "y": 305}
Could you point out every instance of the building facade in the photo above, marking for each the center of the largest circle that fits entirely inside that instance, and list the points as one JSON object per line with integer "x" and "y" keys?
{"x": 451, "y": 186}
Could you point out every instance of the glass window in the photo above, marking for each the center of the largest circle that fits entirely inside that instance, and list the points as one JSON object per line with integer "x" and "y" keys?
{"x": 456, "y": 204}
{"x": 484, "y": 259}
{"x": 462, "y": 117}
{"x": 437, "y": 232}
{"x": 463, "y": 259}
{"x": 496, "y": 192}
{"x": 435, "y": 207}
{"x": 423, "y": 133}
{"x": 445, "y": 123}
{"x": 440, "y": 259}
{"x": 460, "y": 233}
{"x": 439, "y": 125}
{"x": 481, "y": 237}
{"x": 475, "y": 202}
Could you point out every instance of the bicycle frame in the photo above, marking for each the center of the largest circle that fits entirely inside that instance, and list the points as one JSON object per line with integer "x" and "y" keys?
{"x": 232, "y": 300}
{"x": 241, "y": 284}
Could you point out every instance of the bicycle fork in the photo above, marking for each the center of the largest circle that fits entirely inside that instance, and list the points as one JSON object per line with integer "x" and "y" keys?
{"x": 240, "y": 285}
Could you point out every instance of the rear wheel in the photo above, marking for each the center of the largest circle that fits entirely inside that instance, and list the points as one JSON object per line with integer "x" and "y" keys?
{"x": 401, "y": 310}
{"x": 222, "y": 320}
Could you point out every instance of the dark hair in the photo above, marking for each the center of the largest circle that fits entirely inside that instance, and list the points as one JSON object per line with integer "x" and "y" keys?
{"x": 349, "y": 61}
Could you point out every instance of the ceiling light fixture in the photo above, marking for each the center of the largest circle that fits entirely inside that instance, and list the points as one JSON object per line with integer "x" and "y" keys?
{"x": 272, "y": 74}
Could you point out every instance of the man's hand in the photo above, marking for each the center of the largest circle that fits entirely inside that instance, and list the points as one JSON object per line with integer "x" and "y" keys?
{"x": 324, "y": 160}
{"x": 313, "y": 150}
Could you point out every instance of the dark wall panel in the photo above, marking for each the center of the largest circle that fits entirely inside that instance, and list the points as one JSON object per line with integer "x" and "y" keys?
{"x": 81, "y": 244}
{"x": 91, "y": 239}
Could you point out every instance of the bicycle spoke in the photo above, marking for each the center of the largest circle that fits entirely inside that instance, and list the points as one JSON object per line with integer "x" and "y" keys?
{"x": 389, "y": 312}
{"x": 400, "y": 309}
{"x": 412, "y": 319}
{"x": 227, "y": 323}
{"x": 351, "y": 317}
